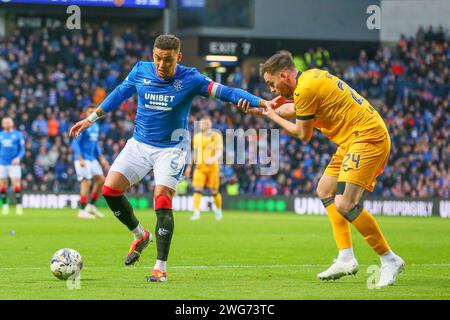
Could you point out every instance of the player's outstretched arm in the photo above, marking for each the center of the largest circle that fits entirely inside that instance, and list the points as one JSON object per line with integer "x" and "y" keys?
{"x": 286, "y": 111}
{"x": 212, "y": 89}
{"x": 283, "y": 108}
{"x": 82, "y": 125}
{"x": 234, "y": 95}
{"x": 112, "y": 102}
{"x": 245, "y": 107}
{"x": 302, "y": 129}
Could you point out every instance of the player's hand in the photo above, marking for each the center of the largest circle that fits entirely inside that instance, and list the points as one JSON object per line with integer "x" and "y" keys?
{"x": 210, "y": 161}
{"x": 278, "y": 102}
{"x": 79, "y": 127}
{"x": 269, "y": 113}
{"x": 15, "y": 161}
{"x": 245, "y": 107}
{"x": 270, "y": 104}
{"x": 82, "y": 163}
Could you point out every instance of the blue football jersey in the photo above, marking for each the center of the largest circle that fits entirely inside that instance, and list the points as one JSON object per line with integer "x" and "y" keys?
{"x": 164, "y": 104}
{"x": 12, "y": 145}
{"x": 87, "y": 143}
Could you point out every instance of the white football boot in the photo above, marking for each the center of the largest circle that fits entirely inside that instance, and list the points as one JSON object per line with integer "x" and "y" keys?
{"x": 92, "y": 209}
{"x": 389, "y": 272}
{"x": 195, "y": 216}
{"x": 339, "y": 269}
{"x": 83, "y": 214}
{"x": 5, "y": 209}
{"x": 218, "y": 214}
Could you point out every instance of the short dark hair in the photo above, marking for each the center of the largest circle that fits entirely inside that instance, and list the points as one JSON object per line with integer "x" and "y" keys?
{"x": 279, "y": 61}
{"x": 167, "y": 42}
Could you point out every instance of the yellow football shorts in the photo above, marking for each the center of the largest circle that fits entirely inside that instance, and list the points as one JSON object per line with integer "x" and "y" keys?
{"x": 206, "y": 178}
{"x": 360, "y": 162}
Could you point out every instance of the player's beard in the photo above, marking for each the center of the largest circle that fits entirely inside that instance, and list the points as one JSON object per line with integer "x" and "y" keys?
{"x": 285, "y": 92}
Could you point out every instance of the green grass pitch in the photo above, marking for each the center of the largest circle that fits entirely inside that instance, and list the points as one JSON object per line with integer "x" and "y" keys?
{"x": 245, "y": 256}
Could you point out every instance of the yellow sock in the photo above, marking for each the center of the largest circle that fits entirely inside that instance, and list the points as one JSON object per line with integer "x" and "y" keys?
{"x": 197, "y": 200}
{"x": 341, "y": 228}
{"x": 366, "y": 224}
{"x": 218, "y": 200}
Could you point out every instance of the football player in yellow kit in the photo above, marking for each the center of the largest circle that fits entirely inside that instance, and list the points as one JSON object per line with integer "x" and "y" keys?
{"x": 208, "y": 150}
{"x": 325, "y": 102}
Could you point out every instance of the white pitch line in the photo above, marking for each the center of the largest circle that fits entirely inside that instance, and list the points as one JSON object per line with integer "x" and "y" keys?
{"x": 276, "y": 266}
{"x": 192, "y": 267}
{"x": 290, "y": 266}
{"x": 23, "y": 268}
{"x": 248, "y": 266}
{"x": 282, "y": 266}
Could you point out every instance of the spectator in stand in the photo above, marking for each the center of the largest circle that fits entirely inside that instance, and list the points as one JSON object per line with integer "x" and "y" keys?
{"x": 40, "y": 126}
{"x": 53, "y": 127}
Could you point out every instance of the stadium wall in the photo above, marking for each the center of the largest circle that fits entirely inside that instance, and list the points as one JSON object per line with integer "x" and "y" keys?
{"x": 264, "y": 47}
{"x": 406, "y": 16}
{"x": 301, "y": 205}
{"x": 297, "y": 26}
{"x": 303, "y": 19}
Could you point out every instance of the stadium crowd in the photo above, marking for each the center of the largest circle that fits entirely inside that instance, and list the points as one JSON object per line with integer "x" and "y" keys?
{"x": 48, "y": 75}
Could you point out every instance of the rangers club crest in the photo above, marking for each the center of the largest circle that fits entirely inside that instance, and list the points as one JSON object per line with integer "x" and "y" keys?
{"x": 178, "y": 85}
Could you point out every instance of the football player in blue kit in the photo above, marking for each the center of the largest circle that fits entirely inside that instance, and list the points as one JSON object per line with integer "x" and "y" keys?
{"x": 12, "y": 150}
{"x": 86, "y": 156}
{"x": 165, "y": 92}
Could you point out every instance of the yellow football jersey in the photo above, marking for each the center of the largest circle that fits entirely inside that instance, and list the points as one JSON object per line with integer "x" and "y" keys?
{"x": 338, "y": 111}
{"x": 206, "y": 146}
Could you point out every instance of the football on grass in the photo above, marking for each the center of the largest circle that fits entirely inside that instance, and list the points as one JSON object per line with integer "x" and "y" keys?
{"x": 66, "y": 264}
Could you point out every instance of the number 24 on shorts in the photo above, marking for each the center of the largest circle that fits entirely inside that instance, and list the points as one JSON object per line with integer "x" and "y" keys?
{"x": 354, "y": 163}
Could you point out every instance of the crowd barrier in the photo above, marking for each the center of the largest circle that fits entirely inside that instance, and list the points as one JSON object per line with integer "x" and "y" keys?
{"x": 302, "y": 205}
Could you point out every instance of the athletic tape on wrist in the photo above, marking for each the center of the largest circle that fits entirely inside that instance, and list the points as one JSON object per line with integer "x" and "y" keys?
{"x": 93, "y": 117}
